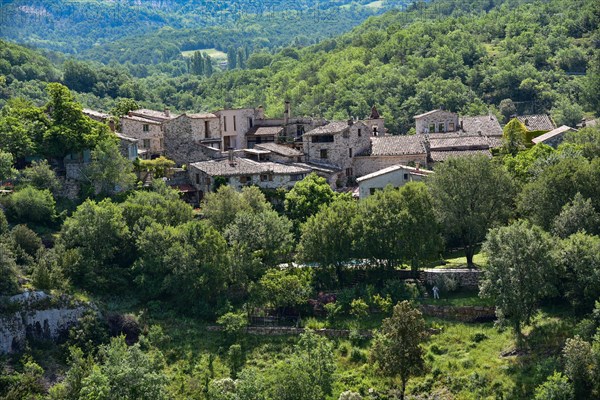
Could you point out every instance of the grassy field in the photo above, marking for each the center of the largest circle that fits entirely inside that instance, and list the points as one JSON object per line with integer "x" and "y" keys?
{"x": 215, "y": 54}
{"x": 457, "y": 259}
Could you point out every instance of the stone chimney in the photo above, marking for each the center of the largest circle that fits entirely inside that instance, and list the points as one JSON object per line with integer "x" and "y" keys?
{"x": 230, "y": 155}
{"x": 260, "y": 113}
{"x": 350, "y": 121}
{"x": 167, "y": 112}
{"x": 287, "y": 113}
{"x": 461, "y": 125}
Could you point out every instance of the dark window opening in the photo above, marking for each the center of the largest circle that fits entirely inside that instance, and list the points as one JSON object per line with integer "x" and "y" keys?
{"x": 323, "y": 153}
{"x": 323, "y": 139}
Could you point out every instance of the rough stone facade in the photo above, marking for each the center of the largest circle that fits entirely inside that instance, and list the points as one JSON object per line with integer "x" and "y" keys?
{"x": 150, "y": 138}
{"x": 364, "y": 165}
{"x": 464, "y": 277}
{"x": 464, "y": 314}
{"x": 337, "y": 144}
{"x": 436, "y": 121}
{"x": 187, "y": 136}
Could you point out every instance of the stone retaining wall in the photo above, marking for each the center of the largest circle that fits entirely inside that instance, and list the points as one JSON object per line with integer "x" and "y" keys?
{"x": 464, "y": 314}
{"x": 466, "y": 278}
{"x": 290, "y": 330}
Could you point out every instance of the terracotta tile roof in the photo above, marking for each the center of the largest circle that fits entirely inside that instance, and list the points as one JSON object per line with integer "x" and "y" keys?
{"x": 396, "y": 145}
{"x": 554, "y": 132}
{"x": 329, "y": 129}
{"x": 459, "y": 143}
{"x": 244, "y": 166}
{"x": 201, "y": 115}
{"x": 444, "y": 155}
{"x": 483, "y": 124}
{"x": 159, "y": 116}
{"x": 265, "y": 131}
{"x": 279, "y": 149}
{"x": 93, "y": 113}
{"x": 537, "y": 122}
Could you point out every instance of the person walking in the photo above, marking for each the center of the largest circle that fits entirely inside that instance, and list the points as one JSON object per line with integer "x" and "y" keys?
{"x": 436, "y": 292}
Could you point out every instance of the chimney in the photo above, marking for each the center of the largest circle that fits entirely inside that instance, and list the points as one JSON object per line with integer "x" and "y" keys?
{"x": 230, "y": 154}
{"x": 461, "y": 125}
{"x": 167, "y": 112}
{"x": 111, "y": 124}
{"x": 350, "y": 121}
{"x": 129, "y": 113}
{"x": 286, "y": 113}
{"x": 288, "y": 109}
{"x": 260, "y": 113}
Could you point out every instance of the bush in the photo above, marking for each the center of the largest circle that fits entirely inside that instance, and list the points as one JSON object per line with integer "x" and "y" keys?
{"x": 357, "y": 356}
{"x": 30, "y": 205}
{"x": 399, "y": 290}
{"x": 446, "y": 283}
{"x": 478, "y": 337}
{"x": 27, "y": 242}
{"x": 359, "y": 308}
{"x": 234, "y": 324}
{"x": 313, "y": 323}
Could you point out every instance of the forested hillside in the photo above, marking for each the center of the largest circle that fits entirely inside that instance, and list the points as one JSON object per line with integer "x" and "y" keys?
{"x": 542, "y": 56}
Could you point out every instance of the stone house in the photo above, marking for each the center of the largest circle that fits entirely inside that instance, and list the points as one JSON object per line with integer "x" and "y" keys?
{"x": 396, "y": 175}
{"x": 147, "y": 126}
{"x": 337, "y": 144}
{"x": 235, "y": 124}
{"x": 386, "y": 151}
{"x": 554, "y": 137}
{"x": 436, "y": 121}
{"x": 192, "y": 137}
{"x": 128, "y": 146}
{"x": 238, "y": 172}
{"x": 443, "y": 146}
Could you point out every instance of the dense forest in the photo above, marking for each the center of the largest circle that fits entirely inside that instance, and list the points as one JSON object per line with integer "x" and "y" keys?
{"x": 172, "y": 292}
{"x": 541, "y": 57}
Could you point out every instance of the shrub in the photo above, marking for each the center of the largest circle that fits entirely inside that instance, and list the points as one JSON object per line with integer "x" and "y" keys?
{"x": 348, "y": 395}
{"x": 30, "y": 205}
{"x": 383, "y": 304}
{"x": 26, "y": 240}
{"x": 359, "y": 308}
{"x": 313, "y": 323}
{"x": 234, "y": 324}
{"x": 478, "y": 337}
{"x": 446, "y": 283}
{"x": 357, "y": 356}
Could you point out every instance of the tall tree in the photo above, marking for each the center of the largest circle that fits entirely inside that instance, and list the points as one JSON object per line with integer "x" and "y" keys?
{"x": 471, "y": 195}
{"x": 519, "y": 271}
{"x": 397, "y": 346}
{"x": 307, "y": 196}
{"x": 513, "y": 137}
{"x": 109, "y": 172}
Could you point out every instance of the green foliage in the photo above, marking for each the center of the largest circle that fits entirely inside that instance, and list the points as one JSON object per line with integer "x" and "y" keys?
{"x": 513, "y": 137}
{"x": 33, "y": 206}
{"x": 316, "y": 354}
{"x": 123, "y": 106}
{"x": 566, "y": 112}
{"x": 27, "y": 243}
{"x": 284, "y": 287}
{"x": 517, "y": 283}
{"x": 397, "y": 346}
{"x": 4, "y": 228}
{"x": 8, "y": 270}
{"x": 162, "y": 205}
{"x": 307, "y": 196}
{"x": 222, "y": 206}
{"x": 557, "y": 387}
{"x": 235, "y": 359}
{"x": 40, "y": 176}
{"x": 471, "y": 195}
{"x": 587, "y": 140}
{"x": 327, "y": 237}
{"x": 577, "y": 355}
{"x": 109, "y": 172}
{"x": 90, "y": 332}
{"x": 525, "y": 165}
{"x": 6, "y": 166}
{"x": 579, "y": 258}
{"x": 577, "y": 216}
{"x": 159, "y": 167}
{"x": 234, "y": 324}
{"x": 96, "y": 245}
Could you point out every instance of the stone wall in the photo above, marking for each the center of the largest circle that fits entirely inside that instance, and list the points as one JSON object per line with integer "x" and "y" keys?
{"x": 448, "y": 119}
{"x": 183, "y": 137}
{"x": 290, "y": 330}
{"x": 464, "y": 314}
{"x": 135, "y": 129}
{"x": 466, "y": 278}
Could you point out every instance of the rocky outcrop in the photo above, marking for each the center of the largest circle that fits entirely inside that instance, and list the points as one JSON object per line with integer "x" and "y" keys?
{"x": 36, "y": 316}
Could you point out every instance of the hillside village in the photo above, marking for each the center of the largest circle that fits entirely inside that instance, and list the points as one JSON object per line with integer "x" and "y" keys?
{"x": 244, "y": 147}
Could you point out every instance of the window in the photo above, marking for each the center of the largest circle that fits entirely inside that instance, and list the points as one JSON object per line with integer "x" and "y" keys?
{"x": 350, "y": 152}
{"x": 359, "y": 132}
{"x": 146, "y": 143}
{"x": 346, "y": 134}
{"x": 441, "y": 127}
{"x": 245, "y": 179}
{"x": 146, "y": 128}
{"x": 234, "y": 124}
{"x": 250, "y": 122}
{"x": 197, "y": 179}
{"x": 451, "y": 126}
{"x": 296, "y": 177}
{"x": 322, "y": 139}
{"x": 374, "y": 131}
{"x": 431, "y": 128}
{"x": 264, "y": 178}
{"x": 405, "y": 177}
{"x": 323, "y": 153}
{"x": 207, "y": 181}
{"x": 207, "y": 129}
{"x": 225, "y": 123}
{"x": 349, "y": 172}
